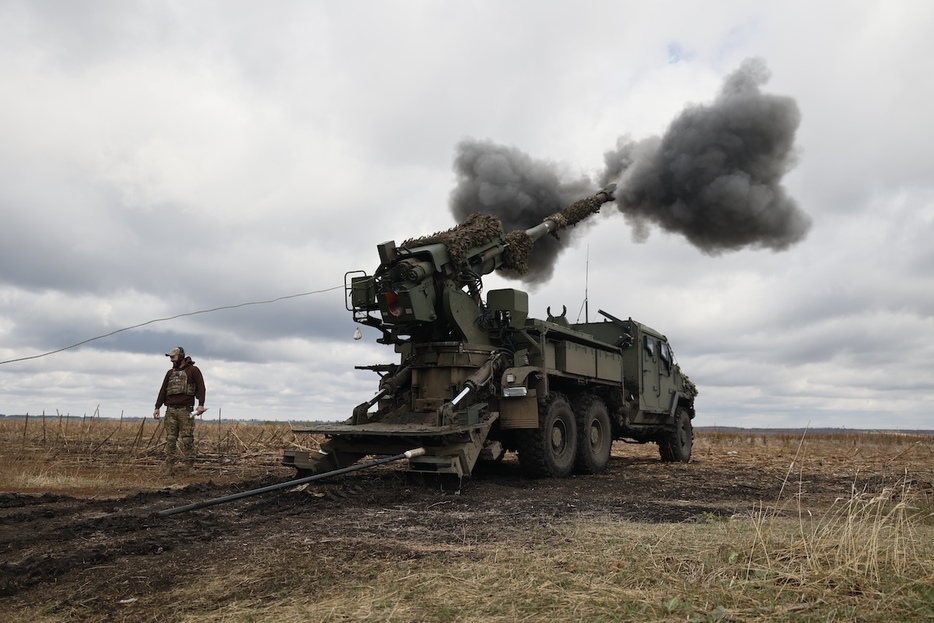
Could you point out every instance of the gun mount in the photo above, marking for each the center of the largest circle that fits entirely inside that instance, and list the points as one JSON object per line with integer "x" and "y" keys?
{"x": 429, "y": 288}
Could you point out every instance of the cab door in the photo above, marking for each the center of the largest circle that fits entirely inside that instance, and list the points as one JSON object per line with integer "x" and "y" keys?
{"x": 666, "y": 374}
{"x": 651, "y": 397}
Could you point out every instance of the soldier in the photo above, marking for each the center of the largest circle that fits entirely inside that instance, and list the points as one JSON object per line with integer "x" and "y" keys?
{"x": 181, "y": 386}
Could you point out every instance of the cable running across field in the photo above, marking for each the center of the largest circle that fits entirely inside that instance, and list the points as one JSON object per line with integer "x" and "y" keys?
{"x": 155, "y": 320}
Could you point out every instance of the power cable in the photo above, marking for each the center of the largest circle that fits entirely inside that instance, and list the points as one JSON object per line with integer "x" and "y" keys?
{"x": 155, "y": 320}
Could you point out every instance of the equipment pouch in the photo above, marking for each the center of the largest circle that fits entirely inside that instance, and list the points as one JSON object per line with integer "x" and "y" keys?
{"x": 178, "y": 384}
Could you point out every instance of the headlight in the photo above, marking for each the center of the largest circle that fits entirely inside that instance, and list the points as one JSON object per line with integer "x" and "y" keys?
{"x": 515, "y": 392}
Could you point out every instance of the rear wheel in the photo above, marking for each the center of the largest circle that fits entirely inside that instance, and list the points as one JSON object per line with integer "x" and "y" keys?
{"x": 550, "y": 449}
{"x": 676, "y": 445}
{"x": 594, "y": 437}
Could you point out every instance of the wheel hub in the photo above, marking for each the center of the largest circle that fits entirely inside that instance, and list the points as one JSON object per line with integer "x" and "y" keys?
{"x": 557, "y": 437}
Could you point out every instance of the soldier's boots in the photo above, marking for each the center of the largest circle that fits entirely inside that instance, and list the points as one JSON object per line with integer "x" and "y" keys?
{"x": 173, "y": 468}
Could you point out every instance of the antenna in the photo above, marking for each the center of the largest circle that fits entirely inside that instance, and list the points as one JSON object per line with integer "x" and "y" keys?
{"x": 587, "y": 286}
{"x": 586, "y": 305}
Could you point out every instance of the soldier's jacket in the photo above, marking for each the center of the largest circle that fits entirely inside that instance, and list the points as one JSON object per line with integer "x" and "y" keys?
{"x": 182, "y": 386}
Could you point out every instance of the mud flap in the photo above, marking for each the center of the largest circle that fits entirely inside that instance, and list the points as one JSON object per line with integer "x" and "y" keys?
{"x": 673, "y": 407}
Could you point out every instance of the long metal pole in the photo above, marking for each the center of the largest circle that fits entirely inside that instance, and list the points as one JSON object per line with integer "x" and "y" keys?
{"x": 291, "y": 483}
{"x": 587, "y": 287}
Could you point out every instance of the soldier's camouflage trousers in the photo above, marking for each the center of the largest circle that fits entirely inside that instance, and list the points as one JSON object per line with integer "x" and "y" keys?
{"x": 179, "y": 422}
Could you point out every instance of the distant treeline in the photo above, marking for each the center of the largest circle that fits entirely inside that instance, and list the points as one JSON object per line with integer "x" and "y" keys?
{"x": 810, "y": 431}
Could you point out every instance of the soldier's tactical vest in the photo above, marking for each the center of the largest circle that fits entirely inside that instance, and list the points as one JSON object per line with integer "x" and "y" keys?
{"x": 178, "y": 384}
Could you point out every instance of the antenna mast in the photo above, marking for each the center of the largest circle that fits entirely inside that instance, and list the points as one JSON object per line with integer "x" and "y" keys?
{"x": 587, "y": 287}
{"x": 585, "y": 306}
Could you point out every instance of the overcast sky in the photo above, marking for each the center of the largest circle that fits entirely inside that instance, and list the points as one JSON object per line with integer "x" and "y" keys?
{"x": 162, "y": 158}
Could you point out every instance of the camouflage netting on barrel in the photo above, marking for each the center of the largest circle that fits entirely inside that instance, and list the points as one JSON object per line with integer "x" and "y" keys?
{"x": 519, "y": 244}
{"x": 518, "y": 250}
{"x": 477, "y": 231}
{"x": 480, "y": 230}
{"x": 576, "y": 212}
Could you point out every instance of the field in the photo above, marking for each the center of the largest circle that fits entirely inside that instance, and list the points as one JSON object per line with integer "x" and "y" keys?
{"x": 807, "y": 526}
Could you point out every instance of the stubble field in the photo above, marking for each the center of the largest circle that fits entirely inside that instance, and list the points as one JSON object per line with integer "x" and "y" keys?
{"x": 828, "y": 526}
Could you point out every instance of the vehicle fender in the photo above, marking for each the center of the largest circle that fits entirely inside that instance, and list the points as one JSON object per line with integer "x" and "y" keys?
{"x": 676, "y": 398}
{"x": 521, "y": 411}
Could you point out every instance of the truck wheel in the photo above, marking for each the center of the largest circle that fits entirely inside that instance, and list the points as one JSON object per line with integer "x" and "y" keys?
{"x": 676, "y": 445}
{"x": 549, "y": 450}
{"x": 594, "y": 437}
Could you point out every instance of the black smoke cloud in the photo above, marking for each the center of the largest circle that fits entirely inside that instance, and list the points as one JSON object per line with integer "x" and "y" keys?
{"x": 714, "y": 177}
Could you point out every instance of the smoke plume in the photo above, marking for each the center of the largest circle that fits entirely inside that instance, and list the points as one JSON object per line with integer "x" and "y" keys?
{"x": 518, "y": 190}
{"x": 714, "y": 177}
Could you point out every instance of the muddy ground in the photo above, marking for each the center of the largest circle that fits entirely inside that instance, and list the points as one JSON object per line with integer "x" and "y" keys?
{"x": 86, "y": 556}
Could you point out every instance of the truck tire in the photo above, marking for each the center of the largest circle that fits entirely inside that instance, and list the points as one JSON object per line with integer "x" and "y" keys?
{"x": 550, "y": 449}
{"x": 594, "y": 436}
{"x": 676, "y": 445}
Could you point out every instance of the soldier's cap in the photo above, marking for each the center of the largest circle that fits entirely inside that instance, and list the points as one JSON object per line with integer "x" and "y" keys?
{"x": 178, "y": 350}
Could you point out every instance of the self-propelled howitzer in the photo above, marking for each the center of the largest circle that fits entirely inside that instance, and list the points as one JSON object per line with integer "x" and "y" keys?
{"x": 478, "y": 378}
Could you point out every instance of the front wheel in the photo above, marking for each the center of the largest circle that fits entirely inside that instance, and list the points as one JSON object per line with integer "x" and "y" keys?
{"x": 675, "y": 446}
{"x": 550, "y": 449}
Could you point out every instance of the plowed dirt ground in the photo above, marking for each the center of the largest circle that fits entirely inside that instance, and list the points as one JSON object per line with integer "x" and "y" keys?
{"x": 111, "y": 557}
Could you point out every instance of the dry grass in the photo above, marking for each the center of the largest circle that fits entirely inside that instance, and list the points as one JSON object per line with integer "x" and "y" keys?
{"x": 96, "y": 456}
{"x": 599, "y": 570}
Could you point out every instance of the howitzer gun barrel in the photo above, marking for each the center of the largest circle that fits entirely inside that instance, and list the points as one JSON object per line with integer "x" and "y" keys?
{"x": 291, "y": 483}
{"x": 520, "y": 242}
{"x": 410, "y": 285}
{"x": 545, "y": 227}
{"x": 573, "y": 214}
